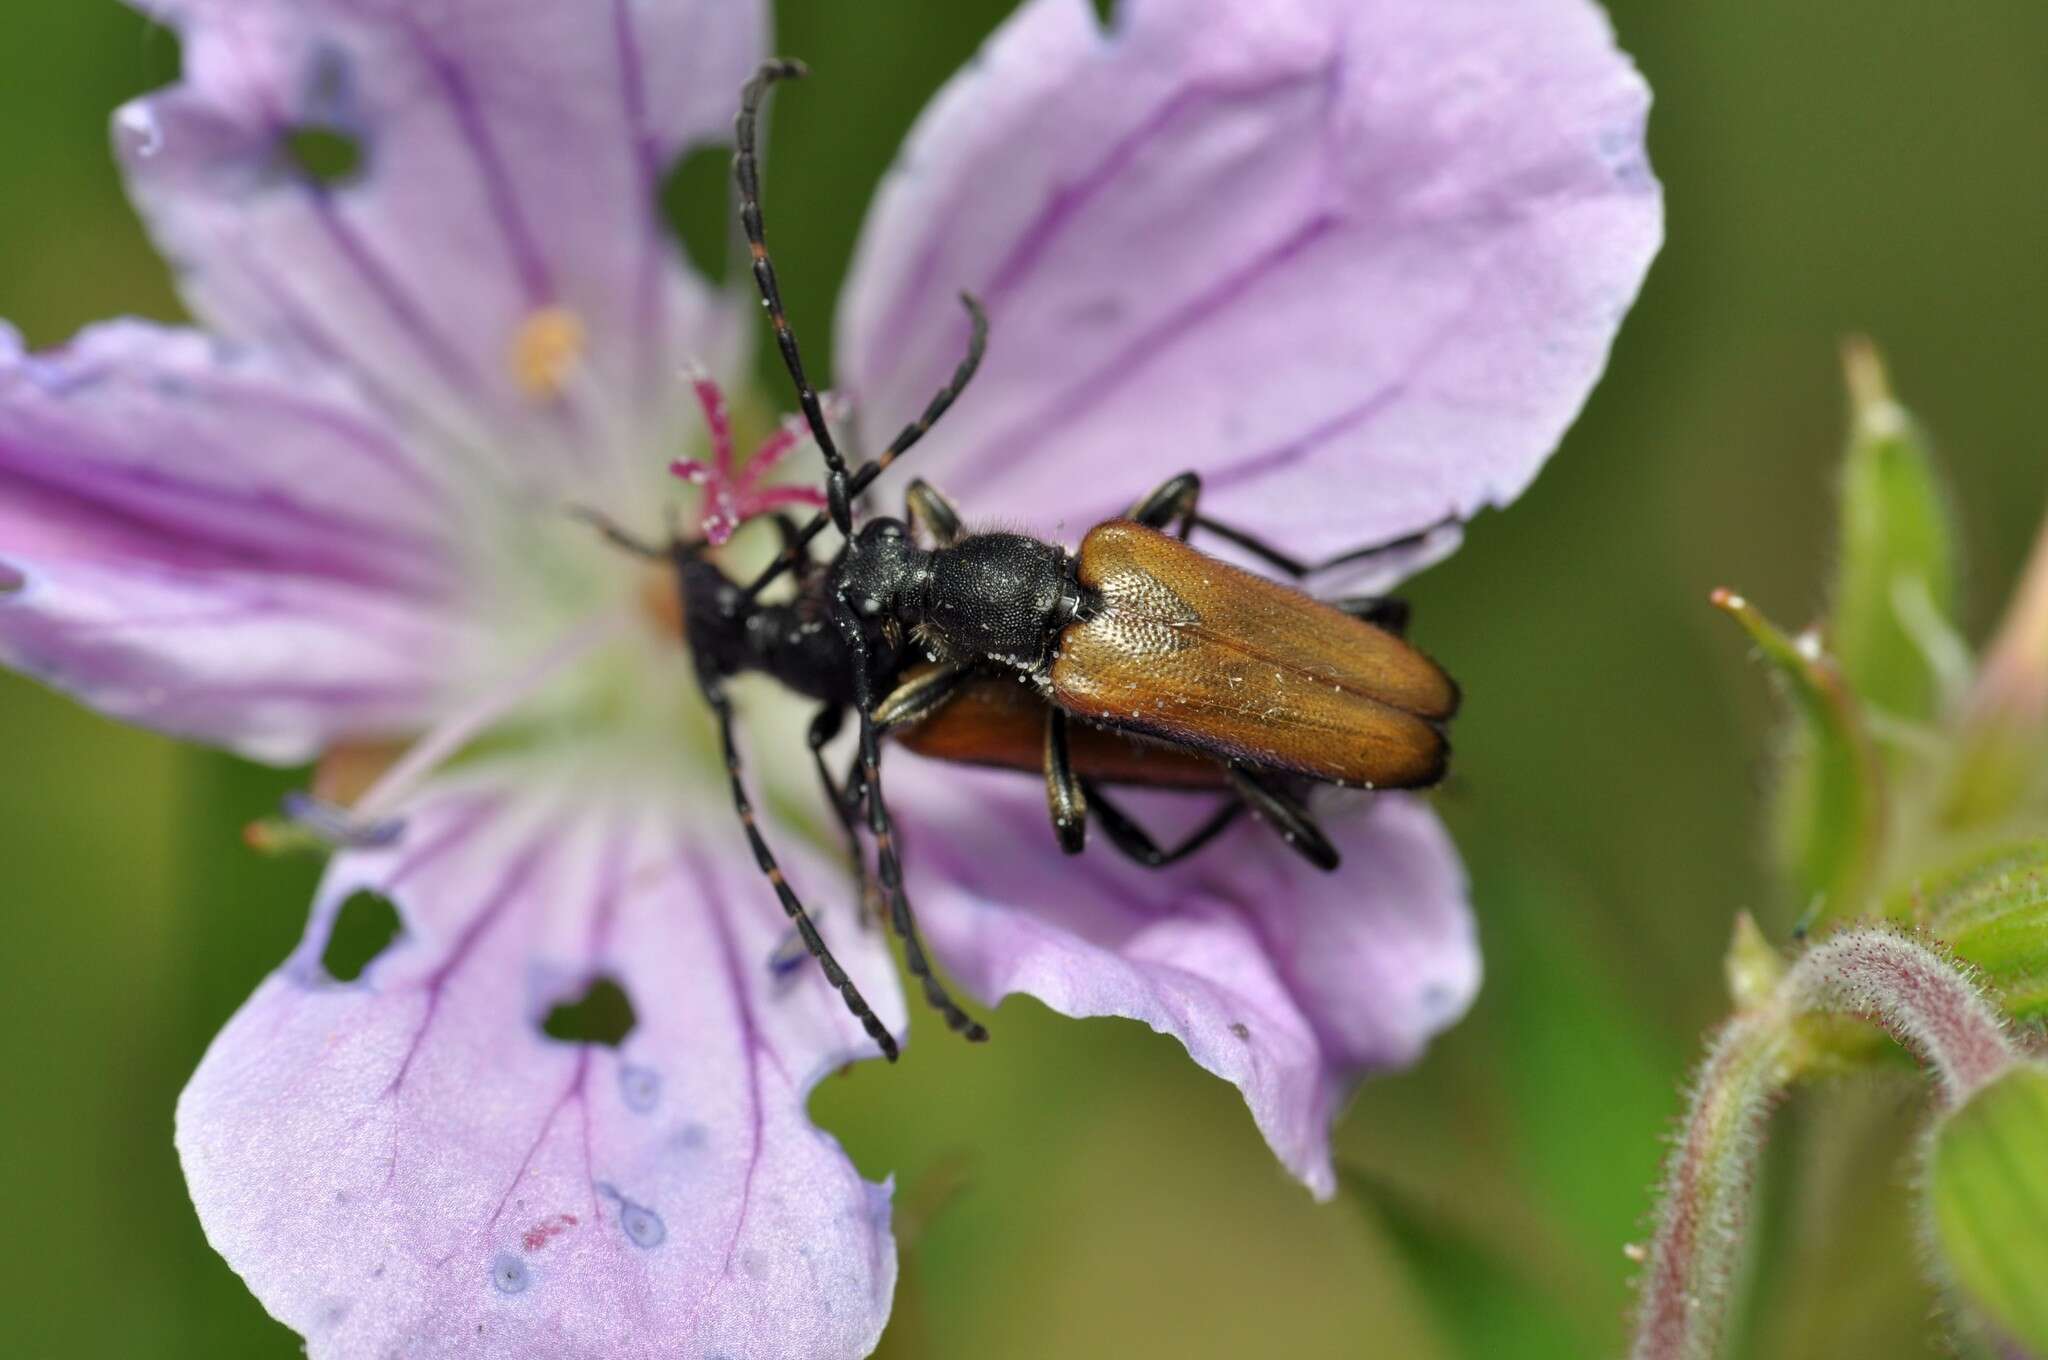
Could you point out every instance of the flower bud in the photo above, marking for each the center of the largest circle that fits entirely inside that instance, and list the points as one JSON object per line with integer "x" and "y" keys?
{"x": 1992, "y": 911}
{"x": 1987, "y": 1201}
{"x": 1829, "y": 811}
{"x": 2003, "y": 747}
{"x": 1895, "y": 580}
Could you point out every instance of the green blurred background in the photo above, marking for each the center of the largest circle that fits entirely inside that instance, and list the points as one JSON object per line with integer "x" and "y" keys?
{"x": 1081, "y": 1189}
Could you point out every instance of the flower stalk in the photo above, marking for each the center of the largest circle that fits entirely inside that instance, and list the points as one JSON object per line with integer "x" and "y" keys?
{"x": 1915, "y": 994}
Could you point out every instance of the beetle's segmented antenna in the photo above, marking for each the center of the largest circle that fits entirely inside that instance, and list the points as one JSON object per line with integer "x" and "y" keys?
{"x": 746, "y": 168}
{"x": 721, "y": 707}
{"x": 906, "y": 438}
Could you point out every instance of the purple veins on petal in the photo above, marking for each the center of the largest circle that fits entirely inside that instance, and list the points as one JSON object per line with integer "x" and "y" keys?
{"x": 296, "y": 1101}
{"x": 1419, "y": 224}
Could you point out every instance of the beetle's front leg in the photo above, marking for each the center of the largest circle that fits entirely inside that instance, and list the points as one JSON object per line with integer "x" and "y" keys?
{"x": 1172, "y": 499}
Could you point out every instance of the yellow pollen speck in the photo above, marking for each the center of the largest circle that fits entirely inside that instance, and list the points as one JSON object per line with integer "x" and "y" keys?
{"x": 546, "y": 350}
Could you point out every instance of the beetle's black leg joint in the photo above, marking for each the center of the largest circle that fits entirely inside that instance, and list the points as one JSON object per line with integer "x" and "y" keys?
{"x": 1137, "y": 844}
{"x": 883, "y": 829}
{"x": 926, "y": 508}
{"x": 1285, "y": 813}
{"x": 918, "y": 697}
{"x": 721, "y": 708}
{"x": 1063, "y": 793}
{"x": 1174, "y": 498}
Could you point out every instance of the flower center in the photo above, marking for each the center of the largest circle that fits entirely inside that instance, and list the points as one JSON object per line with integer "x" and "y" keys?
{"x": 546, "y": 350}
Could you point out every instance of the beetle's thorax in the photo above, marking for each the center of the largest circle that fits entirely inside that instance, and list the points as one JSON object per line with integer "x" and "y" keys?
{"x": 999, "y": 597}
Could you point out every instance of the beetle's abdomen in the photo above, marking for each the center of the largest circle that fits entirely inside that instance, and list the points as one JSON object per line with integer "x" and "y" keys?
{"x": 1193, "y": 650}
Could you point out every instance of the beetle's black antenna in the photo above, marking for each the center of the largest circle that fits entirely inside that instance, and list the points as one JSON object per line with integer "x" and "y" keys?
{"x": 746, "y": 168}
{"x": 721, "y": 706}
{"x": 883, "y": 827}
{"x": 906, "y": 438}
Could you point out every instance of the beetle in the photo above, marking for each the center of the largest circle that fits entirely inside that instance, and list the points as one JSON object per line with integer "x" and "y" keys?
{"x": 1136, "y": 633}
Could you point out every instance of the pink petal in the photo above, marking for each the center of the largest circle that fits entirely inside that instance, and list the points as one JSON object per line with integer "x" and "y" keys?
{"x": 201, "y": 540}
{"x": 1358, "y": 264}
{"x": 407, "y": 1164}
{"x": 1290, "y": 983}
{"x": 510, "y": 158}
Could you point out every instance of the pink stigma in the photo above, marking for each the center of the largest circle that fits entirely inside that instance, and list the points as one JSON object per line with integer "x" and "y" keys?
{"x": 733, "y": 494}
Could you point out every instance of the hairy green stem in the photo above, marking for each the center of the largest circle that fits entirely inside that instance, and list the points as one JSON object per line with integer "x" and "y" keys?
{"x": 1919, "y": 997}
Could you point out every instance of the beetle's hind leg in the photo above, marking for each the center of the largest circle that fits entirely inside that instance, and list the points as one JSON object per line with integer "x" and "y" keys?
{"x": 1286, "y": 814}
{"x": 721, "y": 708}
{"x": 1137, "y": 844}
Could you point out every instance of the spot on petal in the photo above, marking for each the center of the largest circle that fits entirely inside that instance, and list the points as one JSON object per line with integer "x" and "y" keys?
{"x": 11, "y": 580}
{"x": 639, "y": 1087}
{"x": 546, "y": 350}
{"x": 641, "y": 1224}
{"x": 364, "y": 928}
{"x": 510, "y": 1274}
{"x": 603, "y": 1015}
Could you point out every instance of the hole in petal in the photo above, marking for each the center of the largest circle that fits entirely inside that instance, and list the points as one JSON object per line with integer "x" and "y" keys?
{"x": 696, "y": 204}
{"x": 11, "y": 580}
{"x": 604, "y": 1015}
{"x": 324, "y": 155}
{"x": 1105, "y": 14}
{"x": 364, "y": 928}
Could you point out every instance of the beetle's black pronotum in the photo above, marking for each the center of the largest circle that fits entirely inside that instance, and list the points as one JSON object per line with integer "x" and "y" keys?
{"x": 1194, "y": 672}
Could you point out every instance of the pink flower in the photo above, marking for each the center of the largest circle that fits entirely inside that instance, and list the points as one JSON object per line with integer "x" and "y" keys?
{"x": 1358, "y": 262}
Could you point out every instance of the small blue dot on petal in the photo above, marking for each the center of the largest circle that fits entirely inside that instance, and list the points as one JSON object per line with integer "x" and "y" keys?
{"x": 642, "y": 1225}
{"x": 639, "y": 1087}
{"x": 510, "y": 1274}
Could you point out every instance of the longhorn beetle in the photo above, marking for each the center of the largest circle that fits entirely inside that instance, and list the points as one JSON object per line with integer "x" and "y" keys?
{"x": 1137, "y": 633}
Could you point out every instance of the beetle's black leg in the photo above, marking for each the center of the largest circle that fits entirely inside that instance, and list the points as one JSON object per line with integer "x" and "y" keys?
{"x": 746, "y": 169}
{"x": 620, "y": 537}
{"x": 721, "y": 708}
{"x": 1172, "y": 499}
{"x": 1386, "y": 612}
{"x": 824, "y": 727}
{"x": 1286, "y": 815}
{"x": 1297, "y": 568}
{"x": 1063, "y": 795}
{"x": 977, "y": 345}
{"x": 805, "y": 565}
{"x": 1135, "y": 842}
{"x": 926, "y": 507}
{"x": 919, "y": 696}
{"x": 884, "y": 832}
